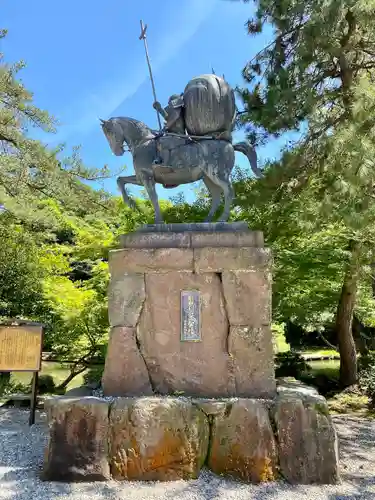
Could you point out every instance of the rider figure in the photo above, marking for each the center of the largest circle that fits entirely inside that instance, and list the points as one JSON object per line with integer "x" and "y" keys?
{"x": 173, "y": 115}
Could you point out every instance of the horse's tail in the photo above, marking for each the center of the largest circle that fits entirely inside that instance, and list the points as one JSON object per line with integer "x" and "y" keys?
{"x": 121, "y": 181}
{"x": 250, "y": 153}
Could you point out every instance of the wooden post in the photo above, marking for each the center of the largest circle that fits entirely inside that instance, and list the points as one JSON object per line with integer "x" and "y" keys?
{"x": 34, "y": 393}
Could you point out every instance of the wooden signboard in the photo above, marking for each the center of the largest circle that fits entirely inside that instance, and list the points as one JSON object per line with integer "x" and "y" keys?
{"x": 21, "y": 351}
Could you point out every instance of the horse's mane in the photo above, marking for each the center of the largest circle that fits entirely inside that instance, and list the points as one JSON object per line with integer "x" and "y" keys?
{"x": 136, "y": 124}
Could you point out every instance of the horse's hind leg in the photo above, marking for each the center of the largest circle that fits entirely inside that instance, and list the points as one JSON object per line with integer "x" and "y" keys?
{"x": 215, "y": 192}
{"x": 149, "y": 184}
{"x": 228, "y": 197}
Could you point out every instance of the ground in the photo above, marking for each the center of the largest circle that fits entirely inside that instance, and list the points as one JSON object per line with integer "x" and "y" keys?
{"x": 21, "y": 455}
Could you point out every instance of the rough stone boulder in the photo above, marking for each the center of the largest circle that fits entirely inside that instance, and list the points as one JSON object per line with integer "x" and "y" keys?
{"x": 78, "y": 443}
{"x": 242, "y": 442}
{"x": 193, "y": 368}
{"x": 157, "y": 439}
{"x": 306, "y": 435}
{"x": 169, "y": 438}
{"x": 125, "y": 370}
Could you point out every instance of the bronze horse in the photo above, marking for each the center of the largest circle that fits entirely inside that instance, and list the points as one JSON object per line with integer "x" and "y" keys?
{"x": 184, "y": 160}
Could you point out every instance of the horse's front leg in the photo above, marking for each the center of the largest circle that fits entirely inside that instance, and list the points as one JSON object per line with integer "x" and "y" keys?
{"x": 149, "y": 184}
{"x": 130, "y": 179}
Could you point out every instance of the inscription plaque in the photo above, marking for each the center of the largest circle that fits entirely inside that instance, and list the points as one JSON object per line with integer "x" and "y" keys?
{"x": 20, "y": 348}
{"x": 190, "y": 316}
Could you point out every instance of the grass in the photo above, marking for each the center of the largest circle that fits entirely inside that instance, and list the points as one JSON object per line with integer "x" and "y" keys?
{"x": 319, "y": 352}
{"x": 328, "y": 367}
{"x": 342, "y": 402}
{"x": 349, "y": 403}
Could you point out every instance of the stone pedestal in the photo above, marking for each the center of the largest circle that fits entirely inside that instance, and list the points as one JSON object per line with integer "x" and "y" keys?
{"x": 190, "y": 313}
{"x": 168, "y": 438}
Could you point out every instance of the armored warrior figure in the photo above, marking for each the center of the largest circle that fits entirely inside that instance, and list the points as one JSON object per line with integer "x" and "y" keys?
{"x": 173, "y": 114}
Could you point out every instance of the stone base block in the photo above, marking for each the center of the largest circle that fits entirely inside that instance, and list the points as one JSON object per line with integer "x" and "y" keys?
{"x": 78, "y": 443}
{"x": 229, "y": 349}
{"x": 170, "y": 438}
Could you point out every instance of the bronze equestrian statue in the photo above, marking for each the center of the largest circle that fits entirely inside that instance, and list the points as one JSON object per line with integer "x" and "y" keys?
{"x": 196, "y": 144}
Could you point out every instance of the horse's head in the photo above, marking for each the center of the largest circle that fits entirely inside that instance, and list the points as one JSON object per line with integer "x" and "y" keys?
{"x": 114, "y": 134}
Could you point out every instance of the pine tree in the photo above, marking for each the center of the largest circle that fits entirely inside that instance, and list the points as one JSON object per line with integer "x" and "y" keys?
{"x": 31, "y": 174}
{"x": 317, "y": 76}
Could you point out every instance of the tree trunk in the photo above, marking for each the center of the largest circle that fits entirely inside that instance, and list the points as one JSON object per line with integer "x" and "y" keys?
{"x": 373, "y": 279}
{"x": 70, "y": 377}
{"x": 344, "y": 320}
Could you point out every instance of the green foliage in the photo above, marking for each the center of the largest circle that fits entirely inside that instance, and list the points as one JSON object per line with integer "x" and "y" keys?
{"x": 318, "y": 49}
{"x": 344, "y": 403}
{"x": 94, "y": 375}
{"x": 324, "y": 376}
{"x": 308, "y": 263}
{"x": 21, "y": 293}
{"x": 367, "y": 377}
{"x": 32, "y": 175}
{"x": 290, "y": 364}
{"x": 9, "y": 386}
{"x": 4, "y": 381}
{"x": 316, "y": 77}
{"x": 278, "y": 337}
{"x": 46, "y": 384}
{"x": 366, "y": 361}
{"x": 318, "y": 74}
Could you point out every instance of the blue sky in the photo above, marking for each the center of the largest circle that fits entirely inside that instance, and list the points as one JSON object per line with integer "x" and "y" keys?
{"x": 85, "y": 61}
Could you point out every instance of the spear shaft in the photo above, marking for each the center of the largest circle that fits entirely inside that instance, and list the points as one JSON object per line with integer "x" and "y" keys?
{"x": 143, "y": 37}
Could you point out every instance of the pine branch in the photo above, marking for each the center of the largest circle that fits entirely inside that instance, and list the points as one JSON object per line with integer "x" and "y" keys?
{"x": 8, "y": 139}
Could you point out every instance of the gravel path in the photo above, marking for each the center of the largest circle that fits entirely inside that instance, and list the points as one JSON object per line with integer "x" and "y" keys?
{"x": 21, "y": 453}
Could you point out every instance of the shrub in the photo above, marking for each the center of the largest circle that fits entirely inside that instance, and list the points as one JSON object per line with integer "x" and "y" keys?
{"x": 365, "y": 361}
{"x": 366, "y": 368}
{"x": 290, "y": 364}
{"x": 348, "y": 403}
{"x": 8, "y": 386}
{"x": 324, "y": 383}
{"x": 4, "y": 382}
{"x": 94, "y": 375}
{"x": 46, "y": 384}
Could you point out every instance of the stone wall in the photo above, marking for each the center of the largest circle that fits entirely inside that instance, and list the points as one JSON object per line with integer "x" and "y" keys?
{"x": 231, "y": 272}
{"x": 168, "y": 438}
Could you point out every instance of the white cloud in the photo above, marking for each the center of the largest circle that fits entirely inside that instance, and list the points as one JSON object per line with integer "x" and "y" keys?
{"x": 185, "y": 24}
{"x": 105, "y": 100}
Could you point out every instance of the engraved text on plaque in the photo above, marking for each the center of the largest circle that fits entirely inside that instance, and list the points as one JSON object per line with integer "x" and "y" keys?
{"x": 190, "y": 316}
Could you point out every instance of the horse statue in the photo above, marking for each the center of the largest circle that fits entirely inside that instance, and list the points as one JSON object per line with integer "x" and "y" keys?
{"x": 185, "y": 159}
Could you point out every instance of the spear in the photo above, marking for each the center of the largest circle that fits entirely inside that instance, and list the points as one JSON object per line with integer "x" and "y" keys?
{"x": 143, "y": 37}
